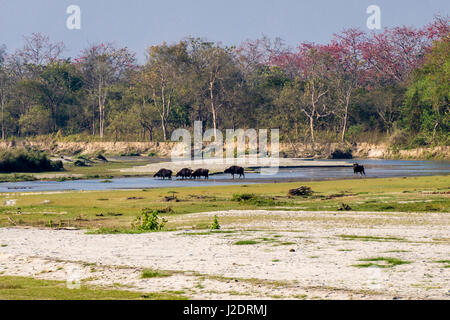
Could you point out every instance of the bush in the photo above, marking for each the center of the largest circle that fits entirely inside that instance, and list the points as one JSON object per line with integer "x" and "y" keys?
{"x": 249, "y": 198}
{"x": 419, "y": 141}
{"x": 22, "y": 160}
{"x": 399, "y": 138}
{"x": 239, "y": 197}
{"x": 149, "y": 221}
{"x": 302, "y": 191}
{"x": 215, "y": 225}
{"x": 354, "y": 133}
{"x": 342, "y": 154}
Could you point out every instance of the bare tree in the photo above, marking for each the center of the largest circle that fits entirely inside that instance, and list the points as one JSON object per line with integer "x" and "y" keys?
{"x": 5, "y": 85}
{"x": 103, "y": 66}
{"x": 162, "y": 75}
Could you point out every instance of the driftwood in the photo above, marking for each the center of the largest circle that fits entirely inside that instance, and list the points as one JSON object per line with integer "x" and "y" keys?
{"x": 12, "y": 221}
{"x": 344, "y": 207}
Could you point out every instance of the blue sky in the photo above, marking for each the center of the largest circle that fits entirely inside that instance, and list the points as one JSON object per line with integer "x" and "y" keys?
{"x": 140, "y": 23}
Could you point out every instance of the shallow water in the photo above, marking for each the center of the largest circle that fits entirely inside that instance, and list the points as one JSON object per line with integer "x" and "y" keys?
{"x": 374, "y": 169}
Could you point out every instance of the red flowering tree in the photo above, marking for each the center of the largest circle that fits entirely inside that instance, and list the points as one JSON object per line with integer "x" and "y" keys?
{"x": 310, "y": 66}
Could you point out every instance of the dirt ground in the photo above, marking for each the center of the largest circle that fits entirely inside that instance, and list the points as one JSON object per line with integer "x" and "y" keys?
{"x": 261, "y": 255}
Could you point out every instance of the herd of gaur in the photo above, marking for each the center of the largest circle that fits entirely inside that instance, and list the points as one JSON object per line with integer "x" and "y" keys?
{"x": 187, "y": 173}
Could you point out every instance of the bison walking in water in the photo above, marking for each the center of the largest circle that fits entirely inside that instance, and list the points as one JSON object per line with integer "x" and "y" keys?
{"x": 201, "y": 173}
{"x": 163, "y": 173}
{"x": 358, "y": 169}
{"x": 184, "y": 173}
{"x": 235, "y": 170}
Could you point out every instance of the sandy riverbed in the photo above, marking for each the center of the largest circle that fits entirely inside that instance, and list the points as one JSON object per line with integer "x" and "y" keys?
{"x": 213, "y": 266}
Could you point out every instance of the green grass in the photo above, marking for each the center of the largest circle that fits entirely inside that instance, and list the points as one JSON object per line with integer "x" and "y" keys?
{"x": 115, "y": 231}
{"x": 246, "y": 242}
{"x": 208, "y": 233}
{"x": 445, "y": 263}
{"x": 383, "y": 262}
{"x": 22, "y": 288}
{"x": 65, "y": 208}
{"x": 369, "y": 238}
{"x": 149, "y": 273}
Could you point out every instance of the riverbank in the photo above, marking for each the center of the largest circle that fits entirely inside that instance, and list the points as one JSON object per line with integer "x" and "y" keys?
{"x": 293, "y": 150}
{"x": 349, "y": 239}
{"x": 118, "y": 208}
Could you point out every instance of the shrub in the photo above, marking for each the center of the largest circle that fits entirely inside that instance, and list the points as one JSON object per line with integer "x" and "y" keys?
{"x": 149, "y": 221}
{"x": 22, "y": 160}
{"x": 342, "y": 154}
{"x": 239, "y": 197}
{"x": 215, "y": 225}
{"x": 419, "y": 141}
{"x": 400, "y": 138}
{"x": 355, "y": 132}
{"x": 249, "y": 198}
{"x": 302, "y": 191}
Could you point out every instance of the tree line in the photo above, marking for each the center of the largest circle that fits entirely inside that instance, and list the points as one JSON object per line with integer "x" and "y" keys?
{"x": 358, "y": 86}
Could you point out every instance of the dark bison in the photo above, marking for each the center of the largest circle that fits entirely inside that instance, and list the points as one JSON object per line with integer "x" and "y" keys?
{"x": 163, "y": 173}
{"x": 235, "y": 170}
{"x": 358, "y": 169}
{"x": 185, "y": 173}
{"x": 201, "y": 173}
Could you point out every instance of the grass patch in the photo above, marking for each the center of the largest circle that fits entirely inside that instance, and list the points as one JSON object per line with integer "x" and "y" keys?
{"x": 208, "y": 233}
{"x": 369, "y": 238}
{"x": 246, "y": 242}
{"x": 106, "y": 230}
{"x": 93, "y": 204}
{"x": 383, "y": 262}
{"x": 23, "y": 288}
{"x": 446, "y": 263}
{"x": 149, "y": 273}
{"x": 252, "y": 199}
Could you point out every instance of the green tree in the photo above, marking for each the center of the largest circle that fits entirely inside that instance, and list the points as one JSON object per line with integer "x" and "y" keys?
{"x": 428, "y": 94}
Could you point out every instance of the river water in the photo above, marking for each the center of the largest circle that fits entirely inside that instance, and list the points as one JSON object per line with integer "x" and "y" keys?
{"x": 374, "y": 169}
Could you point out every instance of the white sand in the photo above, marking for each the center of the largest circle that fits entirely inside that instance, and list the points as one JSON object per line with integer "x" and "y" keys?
{"x": 321, "y": 266}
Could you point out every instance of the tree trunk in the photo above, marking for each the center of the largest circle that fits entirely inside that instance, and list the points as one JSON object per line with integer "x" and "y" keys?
{"x": 101, "y": 104}
{"x": 213, "y": 109}
{"x": 344, "y": 125}
{"x": 3, "y": 119}
{"x": 163, "y": 127}
{"x": 311, "y": 128}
